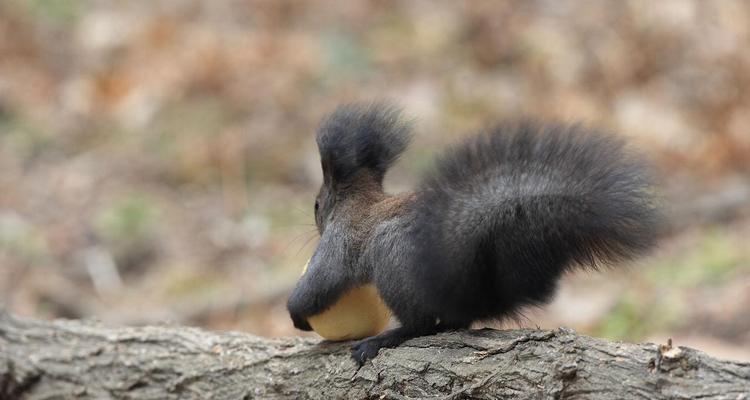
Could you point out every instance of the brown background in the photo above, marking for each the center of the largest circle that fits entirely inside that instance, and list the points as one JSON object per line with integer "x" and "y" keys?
{"x": 157, "y": 159}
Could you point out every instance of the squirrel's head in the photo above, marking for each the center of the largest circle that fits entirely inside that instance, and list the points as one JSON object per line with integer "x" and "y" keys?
{"x": 357, "y": 144}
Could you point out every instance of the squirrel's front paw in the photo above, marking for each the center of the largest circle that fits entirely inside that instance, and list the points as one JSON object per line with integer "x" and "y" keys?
{"x": 300, "y": 323}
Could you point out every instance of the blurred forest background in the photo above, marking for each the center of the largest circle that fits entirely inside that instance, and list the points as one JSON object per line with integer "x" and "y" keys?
{"x": 157, "y": 159}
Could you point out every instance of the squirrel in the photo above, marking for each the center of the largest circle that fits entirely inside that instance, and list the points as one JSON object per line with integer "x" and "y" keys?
{"x": 490, "y": 229}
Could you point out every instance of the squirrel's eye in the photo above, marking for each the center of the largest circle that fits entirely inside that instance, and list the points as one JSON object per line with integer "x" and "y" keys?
{"x": 317, "y": 206}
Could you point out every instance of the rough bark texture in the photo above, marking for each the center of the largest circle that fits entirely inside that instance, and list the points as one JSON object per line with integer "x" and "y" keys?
{"x": 79, "y": 359}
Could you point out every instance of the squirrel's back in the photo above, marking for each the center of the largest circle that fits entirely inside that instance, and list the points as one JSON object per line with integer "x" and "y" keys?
{"x": 506, "y": 213}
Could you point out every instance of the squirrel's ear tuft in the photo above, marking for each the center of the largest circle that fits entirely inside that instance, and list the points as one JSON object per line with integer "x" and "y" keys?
{"x": 361, "y": 136}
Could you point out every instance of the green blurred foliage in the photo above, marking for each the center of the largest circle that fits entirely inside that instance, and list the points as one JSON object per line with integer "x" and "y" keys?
{"x": 660, "y": 304}
{"x": 128, "y": 227}
{"x": 715, "y": 260}
{"x": 21, "y": 240}
{"x": 58, "y": 11}
{"x": 128, "y": 219}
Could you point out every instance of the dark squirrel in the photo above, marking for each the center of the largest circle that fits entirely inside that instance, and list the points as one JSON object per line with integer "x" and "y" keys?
{"x": 490, "y": 229}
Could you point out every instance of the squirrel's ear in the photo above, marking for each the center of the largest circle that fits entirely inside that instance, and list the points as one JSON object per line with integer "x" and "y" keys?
{"x": 361, "y": 136}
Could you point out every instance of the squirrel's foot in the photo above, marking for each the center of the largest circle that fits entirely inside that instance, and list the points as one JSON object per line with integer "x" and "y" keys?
{"x": 368, "y": 348}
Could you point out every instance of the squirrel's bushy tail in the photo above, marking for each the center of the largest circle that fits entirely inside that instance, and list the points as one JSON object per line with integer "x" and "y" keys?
{"x": 508, "y": 211}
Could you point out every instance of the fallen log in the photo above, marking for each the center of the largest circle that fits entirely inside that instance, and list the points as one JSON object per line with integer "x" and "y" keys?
{"x": 85, "y": 359}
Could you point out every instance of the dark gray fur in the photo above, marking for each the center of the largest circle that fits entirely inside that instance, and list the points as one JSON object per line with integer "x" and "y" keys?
{"x": 490, "y": 230}
{"x": 356, "y": 136}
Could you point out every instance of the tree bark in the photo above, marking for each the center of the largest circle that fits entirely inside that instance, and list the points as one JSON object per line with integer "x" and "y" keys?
{"x": 83, "y": 359}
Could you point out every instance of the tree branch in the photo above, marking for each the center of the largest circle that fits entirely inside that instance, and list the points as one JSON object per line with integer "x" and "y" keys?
{"x": 83, "y": 359}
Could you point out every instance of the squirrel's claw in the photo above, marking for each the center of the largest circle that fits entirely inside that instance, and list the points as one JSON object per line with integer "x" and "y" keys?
{"x": 366, "y": 350}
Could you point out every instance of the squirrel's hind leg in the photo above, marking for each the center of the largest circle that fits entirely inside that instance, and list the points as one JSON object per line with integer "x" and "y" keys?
{"x": 368, "y": 348}
{"x": 412, "y": 327}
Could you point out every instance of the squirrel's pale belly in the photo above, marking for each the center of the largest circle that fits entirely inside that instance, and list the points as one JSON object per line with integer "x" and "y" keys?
{"x": 359, "y": 313}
